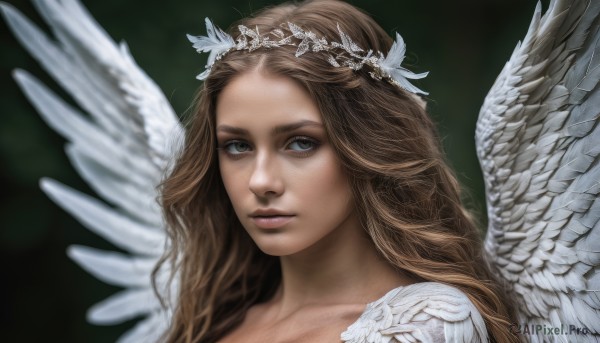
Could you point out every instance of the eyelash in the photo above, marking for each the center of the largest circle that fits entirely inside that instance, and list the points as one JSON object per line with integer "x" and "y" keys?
{"x": 303, "y": 153}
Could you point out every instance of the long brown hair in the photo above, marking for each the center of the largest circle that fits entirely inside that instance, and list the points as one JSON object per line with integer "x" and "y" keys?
{"x": 407, "y": 197}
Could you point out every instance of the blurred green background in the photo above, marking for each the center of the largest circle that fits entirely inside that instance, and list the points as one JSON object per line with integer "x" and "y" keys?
{"x": 44, "y": 296}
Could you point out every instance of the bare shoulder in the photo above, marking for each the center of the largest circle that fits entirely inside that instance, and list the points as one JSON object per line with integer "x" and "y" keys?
{"x": 314, "y": 324}
{"x": 421, "y": 312}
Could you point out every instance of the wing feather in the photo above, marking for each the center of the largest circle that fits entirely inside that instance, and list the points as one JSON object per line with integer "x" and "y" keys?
{"x": 113, "y": 226}
{"x": 123, "y": 306}
{"x": 421, "y": 312}
{"x": 113, "y": 268}
{"x": 147, "y": 329}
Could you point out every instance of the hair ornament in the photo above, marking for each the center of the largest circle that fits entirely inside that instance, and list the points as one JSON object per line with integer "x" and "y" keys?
{"x": 345, "y": 53}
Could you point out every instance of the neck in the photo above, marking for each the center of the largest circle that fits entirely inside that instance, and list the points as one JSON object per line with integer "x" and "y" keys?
{"x": 342, "y": 268}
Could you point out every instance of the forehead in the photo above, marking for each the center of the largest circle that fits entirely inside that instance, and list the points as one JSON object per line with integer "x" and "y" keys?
{"x": 257, "y": 98}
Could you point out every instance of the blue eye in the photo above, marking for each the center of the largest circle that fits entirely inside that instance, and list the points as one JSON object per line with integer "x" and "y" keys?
{"x": 236, "y": 147}
{"x": 302, "y": 144}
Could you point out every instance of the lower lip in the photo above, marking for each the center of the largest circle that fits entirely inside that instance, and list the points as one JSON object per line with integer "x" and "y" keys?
{"x": 273, "y": 222}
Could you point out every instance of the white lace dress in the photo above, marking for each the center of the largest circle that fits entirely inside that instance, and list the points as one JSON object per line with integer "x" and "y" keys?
{"x": 422, "y": 312}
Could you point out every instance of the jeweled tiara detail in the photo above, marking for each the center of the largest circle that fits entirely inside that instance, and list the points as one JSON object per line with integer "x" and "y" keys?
{"x": 345, "y": 53}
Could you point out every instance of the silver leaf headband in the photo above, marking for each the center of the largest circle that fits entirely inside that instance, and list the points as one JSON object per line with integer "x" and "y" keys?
{"x": 218, "y": 44}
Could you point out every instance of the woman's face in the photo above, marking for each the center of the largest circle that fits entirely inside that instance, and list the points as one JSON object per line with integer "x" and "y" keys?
{"x": 280, "y": 172}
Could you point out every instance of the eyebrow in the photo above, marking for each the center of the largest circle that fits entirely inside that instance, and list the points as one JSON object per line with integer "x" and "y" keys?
{"x": 276, "y": 130}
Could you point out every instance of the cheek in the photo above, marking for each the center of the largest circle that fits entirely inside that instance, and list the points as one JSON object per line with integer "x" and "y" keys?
{"x": 325, "y": 188}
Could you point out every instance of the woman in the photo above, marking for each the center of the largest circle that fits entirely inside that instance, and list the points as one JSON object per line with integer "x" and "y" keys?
{"x": 305, "y": 191}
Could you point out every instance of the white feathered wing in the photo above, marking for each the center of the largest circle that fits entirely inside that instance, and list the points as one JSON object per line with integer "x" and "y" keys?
{"x": 121, "y": 148}
{"x": 538, "y": 142}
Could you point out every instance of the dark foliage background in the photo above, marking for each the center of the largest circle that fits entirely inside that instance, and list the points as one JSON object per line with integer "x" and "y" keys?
{"x": 44, "y": 296}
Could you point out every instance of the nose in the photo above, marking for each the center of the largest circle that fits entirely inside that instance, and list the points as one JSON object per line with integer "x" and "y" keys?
{"x": 266, "y": 180}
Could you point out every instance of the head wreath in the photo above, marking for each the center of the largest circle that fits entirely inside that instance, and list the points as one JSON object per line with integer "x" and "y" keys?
{"x": 344, "y": 53}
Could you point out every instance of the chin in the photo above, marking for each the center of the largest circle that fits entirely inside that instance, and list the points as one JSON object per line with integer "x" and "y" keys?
{"x": 275, "y": 246}
{"x": 276, "y": 250}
